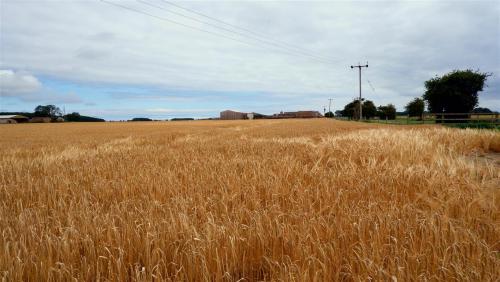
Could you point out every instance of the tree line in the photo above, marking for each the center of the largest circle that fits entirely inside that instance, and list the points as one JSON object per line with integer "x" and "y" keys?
{"x": 454, "y": 92}
{"x": 53, "y": 112}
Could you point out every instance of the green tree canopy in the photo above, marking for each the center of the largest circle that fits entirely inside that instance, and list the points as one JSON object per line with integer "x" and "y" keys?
{"x": 74, "y": 116}
{"x": 47, "y": 111}
{"x": 387, "y": 112}
{"x": 369, "y": 109}
{"x": 141, "y": 119}
{"x": 415, "y": 108}
{"x": 455, "y": 92}
{"x": 352, "y": 109}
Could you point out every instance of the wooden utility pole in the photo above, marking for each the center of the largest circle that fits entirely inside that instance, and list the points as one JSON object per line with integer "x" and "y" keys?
{"x": 360, "y": 100}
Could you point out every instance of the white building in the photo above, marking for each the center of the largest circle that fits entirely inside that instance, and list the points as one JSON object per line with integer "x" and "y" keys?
{"x": 5, "y": 119}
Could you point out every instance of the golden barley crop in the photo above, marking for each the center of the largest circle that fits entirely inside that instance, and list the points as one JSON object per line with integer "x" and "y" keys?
{"x": 303, "y": 200}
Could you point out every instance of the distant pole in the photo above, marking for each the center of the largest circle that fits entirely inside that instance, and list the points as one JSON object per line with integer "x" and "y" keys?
{"x": 360, "y": 101}
{"x": 329, "y": 104}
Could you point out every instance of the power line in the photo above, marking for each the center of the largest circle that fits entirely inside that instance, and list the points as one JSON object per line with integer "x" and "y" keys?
{"x": 199, "y": 29}
{"x": 255, "y": 34}
{"x": 268, "y": 42}
{"x": 208, "y": 17}
{"x": 373, "y": 88}
{"x": 172, "y": 21}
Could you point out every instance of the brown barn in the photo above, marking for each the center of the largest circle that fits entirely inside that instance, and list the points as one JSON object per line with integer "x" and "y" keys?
{"x": 228, "y": 114}
{"x": 40, "y": 120}
{"x": 308, "y": 114}
{"x": 299, "y": 114}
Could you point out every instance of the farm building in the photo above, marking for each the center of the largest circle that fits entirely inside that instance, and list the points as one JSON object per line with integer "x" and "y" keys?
{"x": 40, "y": 120}
{"x": 4, "y": 119}
{"x": 228, "y": 114}
{"x": 256, "y": 116}
{"x": 299, "y": 114}
{"x": 308, "y": 114}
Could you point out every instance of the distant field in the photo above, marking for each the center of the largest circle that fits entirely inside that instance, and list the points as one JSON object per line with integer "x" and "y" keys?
{"x": 303, "y": 200}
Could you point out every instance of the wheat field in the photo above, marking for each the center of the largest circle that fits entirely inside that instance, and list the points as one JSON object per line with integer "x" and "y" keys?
{"x": 274, "y": 200}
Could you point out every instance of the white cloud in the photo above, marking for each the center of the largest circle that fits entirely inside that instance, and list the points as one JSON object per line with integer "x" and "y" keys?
{"x": 15, "y": 84}
{"x": 26, "y": 87}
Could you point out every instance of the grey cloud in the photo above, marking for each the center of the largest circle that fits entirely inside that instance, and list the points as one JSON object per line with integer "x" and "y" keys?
{"x": 150, "y": 96}
{"x": 90, "y": 53}
{"x": 102, "y": 36}
{"x": 406, "y": 43}
{"x": 50, "y": 97}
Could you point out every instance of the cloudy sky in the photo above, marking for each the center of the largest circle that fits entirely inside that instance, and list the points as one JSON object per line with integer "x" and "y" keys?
{"x": 120, "y": 59}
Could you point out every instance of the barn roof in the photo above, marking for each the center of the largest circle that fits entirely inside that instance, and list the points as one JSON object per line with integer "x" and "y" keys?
{"x": 12, "y": 116}
{"x": 231, "y": 111}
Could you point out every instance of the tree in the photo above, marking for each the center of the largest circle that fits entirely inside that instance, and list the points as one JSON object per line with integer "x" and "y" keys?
{"x": 74, "y": 116}
{"x": 47, "y": 111}
{"x": 387, "y": 112}
{"x": 329, "y": 114}
{"x": 415, "y": 108}
{"x": 455, "y": 92}
{"x": 352, "y": 109}
{"x": 369, "y": 109}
